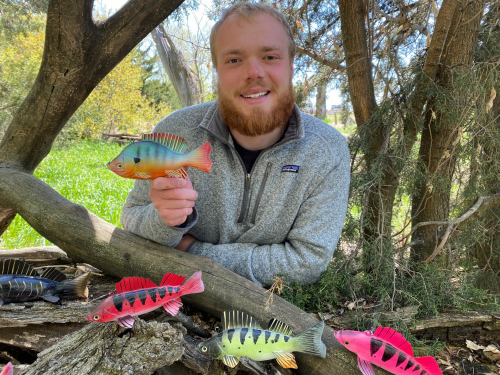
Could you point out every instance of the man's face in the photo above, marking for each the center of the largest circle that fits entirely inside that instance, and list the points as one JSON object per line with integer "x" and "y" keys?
{"x": 254, "y": 74}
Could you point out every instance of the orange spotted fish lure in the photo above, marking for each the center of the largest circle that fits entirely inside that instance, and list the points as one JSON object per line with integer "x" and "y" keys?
{"x": 160, "y": 155}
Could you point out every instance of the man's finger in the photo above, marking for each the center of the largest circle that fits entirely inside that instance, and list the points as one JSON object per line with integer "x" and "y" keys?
{"x": 173, "y": 194}
{"x": 173, "y": 204}
{"x": 164, "y": 183}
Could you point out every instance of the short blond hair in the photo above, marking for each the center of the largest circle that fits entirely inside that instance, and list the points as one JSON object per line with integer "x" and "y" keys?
{"x": 248, "y": 10}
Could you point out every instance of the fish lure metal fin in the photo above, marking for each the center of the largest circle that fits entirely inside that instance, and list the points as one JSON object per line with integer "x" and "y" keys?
{"x": 238, "y": 319}
{"x": 172, "y": 279}
{"x": 130, "y": 284}
{"x": 53, "y": 274}
{"x": 286, "y": 359}
{"x": 126, "y": 321}
{"x": 173, "y": 142}
{"x": 280, "y": 327}
{"x": 17, "y": 267}
{"x": 365, "y": 367}
{"x": 230, "y": 360}
{"x": 178, "y": 173}
{"x": 394, "y": 338}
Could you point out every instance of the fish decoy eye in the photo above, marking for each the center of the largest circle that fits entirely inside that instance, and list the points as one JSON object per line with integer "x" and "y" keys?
{"x": 204, "y": 349}
{"x": 119, "y": 165}
{"x": 96, "y": 317}
{"x": 346, "y": 342}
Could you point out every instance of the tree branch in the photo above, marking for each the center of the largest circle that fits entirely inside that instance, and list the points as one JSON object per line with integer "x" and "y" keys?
{"x": 321, "y": 60}
{"x": 478, "y": 209}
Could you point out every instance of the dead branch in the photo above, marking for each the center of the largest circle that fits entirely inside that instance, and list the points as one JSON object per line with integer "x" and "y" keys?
{"x": 477, "y": 210}
{"x": 38, "y": 256}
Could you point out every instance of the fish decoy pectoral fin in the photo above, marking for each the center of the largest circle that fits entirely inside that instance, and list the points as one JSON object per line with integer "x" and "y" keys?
{"x": 52, "y": 299}
{"x": 365, "y": 367}
{"x": 126, "y": 321}
{"x": 230, "y": 360}
{"x": 285, "y": 359}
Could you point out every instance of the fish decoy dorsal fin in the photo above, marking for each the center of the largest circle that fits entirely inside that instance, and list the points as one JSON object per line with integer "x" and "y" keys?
{"x": 16, "y": 267}
{"x": 53, "y": 274}
{"x": 173, "y": 142}
{"x": 278, "y": 326}
{"x": 394, "y": 338}
{"x": 130, "y": 284}
{"x": 238, "y": 319}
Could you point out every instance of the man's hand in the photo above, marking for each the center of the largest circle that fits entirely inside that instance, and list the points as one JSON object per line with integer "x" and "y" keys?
{"x": 173, "y": 198}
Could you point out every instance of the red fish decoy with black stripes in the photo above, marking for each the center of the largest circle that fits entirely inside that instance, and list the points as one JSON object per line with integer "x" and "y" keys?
{"x": 388, "y": 349}
{"x": 136, "y": 296}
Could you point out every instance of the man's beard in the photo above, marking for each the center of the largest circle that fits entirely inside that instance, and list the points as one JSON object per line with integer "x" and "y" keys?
{"x": 259, "y": 122}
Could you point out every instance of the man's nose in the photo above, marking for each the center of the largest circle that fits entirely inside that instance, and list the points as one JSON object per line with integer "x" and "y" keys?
{"x": 254, "y": 70}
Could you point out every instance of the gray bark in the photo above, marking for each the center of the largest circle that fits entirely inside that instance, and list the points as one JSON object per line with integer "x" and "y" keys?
{"x": 180, "y": 74}
{"x": 109, "y": 349}
{"x": 321, "y": 101}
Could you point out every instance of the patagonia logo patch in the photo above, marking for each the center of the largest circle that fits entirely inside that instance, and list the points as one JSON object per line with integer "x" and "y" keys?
{"x": 290, "y": 168}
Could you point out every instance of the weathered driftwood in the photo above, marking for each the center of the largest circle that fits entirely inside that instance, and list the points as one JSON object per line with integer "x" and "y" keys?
{"x": 109, "y": 349}
{"x": 87, "y": 238}
{"x": 454, "y": 328}
{"x": 37, "y": 256}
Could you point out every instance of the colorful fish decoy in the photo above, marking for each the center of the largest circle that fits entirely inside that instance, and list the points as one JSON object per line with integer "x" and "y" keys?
{"x": 160, "y": 155}
{"x": 242, "y": 335}
{"x": 8, "y": 370}
{"x": 136, "y": 296}
{"x": 388, "y": 349}
{"x": 19, "y": 282}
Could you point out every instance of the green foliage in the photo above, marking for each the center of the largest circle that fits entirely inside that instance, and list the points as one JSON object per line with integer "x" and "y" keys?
{"x": 19, "y": 64}
{"x": 161, "y": 92}
{"x": 78, "y": 172}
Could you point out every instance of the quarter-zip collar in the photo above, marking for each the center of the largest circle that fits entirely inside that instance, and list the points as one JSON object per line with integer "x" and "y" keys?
{"x": 213, "y": 123}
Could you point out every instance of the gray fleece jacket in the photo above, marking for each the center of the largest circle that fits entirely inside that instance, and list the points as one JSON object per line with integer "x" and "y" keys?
{"x": 284, "y": 217}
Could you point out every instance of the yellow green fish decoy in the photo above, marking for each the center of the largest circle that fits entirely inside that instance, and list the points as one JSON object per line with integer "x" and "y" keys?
{"x": 242, "y": 335}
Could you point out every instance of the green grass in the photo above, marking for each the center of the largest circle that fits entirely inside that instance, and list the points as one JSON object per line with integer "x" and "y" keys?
{"x": 78, "y": 172}
{"x": 344, "y": 129}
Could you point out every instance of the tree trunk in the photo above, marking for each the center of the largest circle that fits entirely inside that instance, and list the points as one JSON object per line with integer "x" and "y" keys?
{"x": 78, "y": 54}
{"x": 321, "y": 101}
{"x": 380, "y": 196}
{"x": 180, "y": 74}
{"x": 111, "y": 350}
{"x": 441, "y": 133}
{"x": 85, "y": 237}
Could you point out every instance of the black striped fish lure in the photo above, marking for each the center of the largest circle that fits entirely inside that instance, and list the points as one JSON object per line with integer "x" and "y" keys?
{"x": 243, "y": 336}
{"x": 19, "y": 282}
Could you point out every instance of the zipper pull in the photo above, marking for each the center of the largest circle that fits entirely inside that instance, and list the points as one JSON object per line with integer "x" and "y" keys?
{"x": 248, "y": 176}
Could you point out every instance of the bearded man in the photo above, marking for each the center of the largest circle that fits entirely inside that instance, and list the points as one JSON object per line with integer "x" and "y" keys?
{"x": 275, "y": 200}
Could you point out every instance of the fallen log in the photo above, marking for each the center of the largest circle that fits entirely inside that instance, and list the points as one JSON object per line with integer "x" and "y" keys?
{"x": 87, "y": 238}
{"x": 109, "y": 349}
{"x": 37, "y": 256}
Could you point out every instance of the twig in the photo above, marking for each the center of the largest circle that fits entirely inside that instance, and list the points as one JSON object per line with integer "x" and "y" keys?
{"x": 492, "y": 200}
